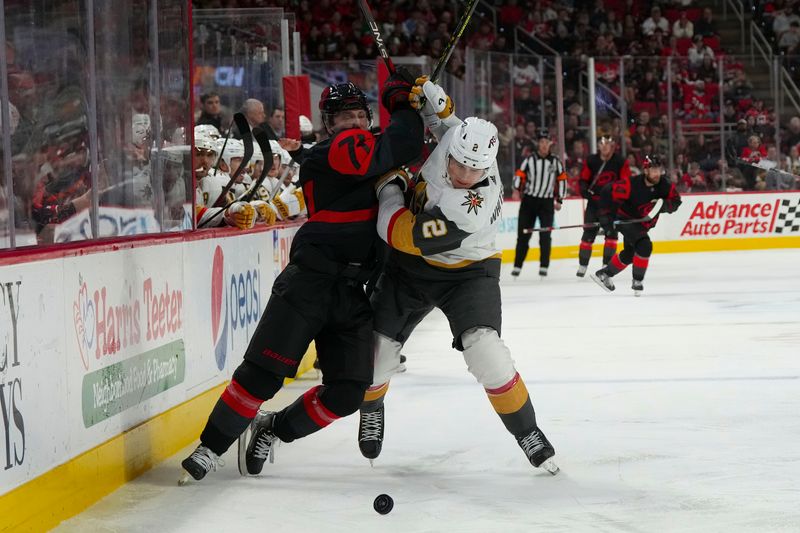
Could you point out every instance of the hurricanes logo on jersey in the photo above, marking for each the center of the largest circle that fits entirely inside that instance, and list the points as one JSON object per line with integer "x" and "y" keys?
{"x": 474, "y": 201}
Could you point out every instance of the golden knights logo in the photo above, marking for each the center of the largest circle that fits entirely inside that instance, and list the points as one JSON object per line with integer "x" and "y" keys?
{"x": 474, "y": 201}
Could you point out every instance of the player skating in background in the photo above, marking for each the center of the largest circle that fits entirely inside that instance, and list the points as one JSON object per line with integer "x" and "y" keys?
{"x": 600, "y": 169}
{"x": 628, "y": 199}
{"x": 443, "y": 255}
{"x": 320, "y": 295}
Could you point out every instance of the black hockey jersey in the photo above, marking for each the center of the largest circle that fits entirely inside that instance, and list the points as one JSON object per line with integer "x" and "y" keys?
{"x": 597, "y": 173}
{"x": 631, "y": 198}
{"x": 338, "y": 180}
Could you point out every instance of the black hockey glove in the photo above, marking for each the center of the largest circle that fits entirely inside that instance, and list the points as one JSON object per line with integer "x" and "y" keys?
{"x": 397, "y": 90}
{"x": 606, "y": 224}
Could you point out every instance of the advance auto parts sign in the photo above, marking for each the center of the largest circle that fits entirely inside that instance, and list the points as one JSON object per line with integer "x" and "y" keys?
{"x": 128, "y": 335}
{"x": 741, "y": 215}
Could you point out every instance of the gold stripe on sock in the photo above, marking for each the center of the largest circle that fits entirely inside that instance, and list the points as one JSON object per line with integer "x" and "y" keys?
{"x": 511, "y": 400}
{"x": 376, "y": 393}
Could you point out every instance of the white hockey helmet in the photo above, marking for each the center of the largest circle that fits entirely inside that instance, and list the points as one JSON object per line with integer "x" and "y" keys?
{"x": 204, "y": 142}
{"x": 233, "y": 148}
{"x": 140, "y": 128}
{"x": 306, "y": 127}
{"x": 174, "y": 154}
{"x": 286, "y": 159}
{"x": 258, "y": 155}
{"x": 474, "y": 143}
{"x": 208, "y": 130}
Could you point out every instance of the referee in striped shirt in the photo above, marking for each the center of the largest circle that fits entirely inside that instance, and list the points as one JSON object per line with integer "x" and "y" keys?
{"x": 542, "y": 184}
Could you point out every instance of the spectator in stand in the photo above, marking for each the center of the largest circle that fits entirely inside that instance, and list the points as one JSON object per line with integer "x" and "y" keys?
{"x": 694, "y": 180}
{"x": 738, "y": 141}
{"x": 729, "y": 112}
{"x": 634, "y": 164}
{"x": 703, "y": 153}
{"x": 790, "y": 38}
{"x": 274, "y": 125}
{"x": 683, "y": 27}
{"x": 211, "y": 111}
{"x": 793, "y": 162}
{"x": 792, "y": 136}
{"x": 649, "y": 88}
{"x": 511, "y": 13}
{"x": 655, "y": 20}
{"x": 706, "y": 27}
{"x": 612, "y": 26}
{"x": 782, "y": 22}
{"x": 763, "y": 128}
{"x": 484, "y": 38}
{"x": 755, "y": 151}
{"x": 525, "y": 73}
{"x": 698, "y": 51}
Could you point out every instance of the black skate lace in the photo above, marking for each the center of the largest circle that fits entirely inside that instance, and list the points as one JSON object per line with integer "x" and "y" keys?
{"x": 371, "y": 425}
{"x": 531, "y": 443}
{"x": 206, "y": 459}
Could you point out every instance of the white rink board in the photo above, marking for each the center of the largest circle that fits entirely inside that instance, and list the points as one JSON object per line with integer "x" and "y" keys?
{"x": 700, "y": 217}
{"x": 104, "y": 341}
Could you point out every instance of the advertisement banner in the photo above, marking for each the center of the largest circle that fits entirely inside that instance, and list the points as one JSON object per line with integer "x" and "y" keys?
{"x": 35, "y": 431}
{"x": 125, "y": 347}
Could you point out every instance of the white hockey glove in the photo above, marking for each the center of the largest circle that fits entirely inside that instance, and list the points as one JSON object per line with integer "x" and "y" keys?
{"x": 398, "y": 177}
{"x": 289, "y": 203}
{"x": 240, "y": 214}
{"x": 265, "y": 213}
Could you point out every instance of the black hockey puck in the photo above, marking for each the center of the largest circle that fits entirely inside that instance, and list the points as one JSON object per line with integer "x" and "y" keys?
{"x": 383, "y": 504}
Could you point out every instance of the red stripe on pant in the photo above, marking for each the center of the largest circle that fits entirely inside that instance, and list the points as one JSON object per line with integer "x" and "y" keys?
{"x": 611, "y": 243}
{"x": 617, "y": 263}
{"x": 320, "y": 414}
{"x": 585, "y": 245}
{"x": 640, "y": 262}
{"x": 241, "y": 401}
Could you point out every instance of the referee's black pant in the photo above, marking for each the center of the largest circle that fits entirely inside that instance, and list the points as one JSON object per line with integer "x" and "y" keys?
{"x": 530, "y": 209}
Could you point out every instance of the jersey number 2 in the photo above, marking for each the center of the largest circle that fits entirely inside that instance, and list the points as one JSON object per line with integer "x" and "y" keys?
{"x": 433, "y": 228}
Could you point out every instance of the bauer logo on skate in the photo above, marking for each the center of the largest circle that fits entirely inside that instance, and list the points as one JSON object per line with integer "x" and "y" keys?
{"x": 235, "y": 304}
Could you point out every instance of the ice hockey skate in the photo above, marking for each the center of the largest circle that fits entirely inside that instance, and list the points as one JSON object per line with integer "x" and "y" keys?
{"x": 515, "y": 272}
{"x": 538, "y": 450}
{"x": 200, "y": 463}
{"x": 603, "y": 279}
{"x": 543, "y": 272}
{"x": 370, "y": 433}
{"x": 581, "y": 271}
{"x": 637, "y": 287}
{"x": 257, "y": 444}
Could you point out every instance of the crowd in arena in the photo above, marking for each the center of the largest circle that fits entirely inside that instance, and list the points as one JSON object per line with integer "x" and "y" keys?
{"x": 645, "y": 33}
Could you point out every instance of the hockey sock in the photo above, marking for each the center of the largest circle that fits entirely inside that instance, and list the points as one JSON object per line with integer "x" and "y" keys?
{"x": 615, "y": 266}
{"x": 609, "y": 249}
{"x": 513, "y": 404}
{"x": 522, "y": 249}
{"x": 318, "y": 408}
{"x": 639, "y": 267}
{"x": 250, "y": 386}
{"x": 373, "y": 398}
{"x": 545, "y": 242}
{"x": 584, "y": 253}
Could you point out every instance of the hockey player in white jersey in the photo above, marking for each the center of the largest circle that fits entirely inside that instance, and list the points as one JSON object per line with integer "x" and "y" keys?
{"x": 210, "y": 185}
{"x": 443, "y": 255}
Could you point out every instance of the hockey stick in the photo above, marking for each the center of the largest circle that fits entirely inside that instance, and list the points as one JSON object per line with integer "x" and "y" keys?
{"x": 247, "y": 139}
{"x": 376, "y": 34}
{"x": 263, "y": 142}
{"x": 650, "y": 216}
{"x": 463, "y": 22}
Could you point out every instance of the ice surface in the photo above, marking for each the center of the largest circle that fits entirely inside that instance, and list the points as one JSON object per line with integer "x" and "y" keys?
{"x": 676, "y": 411}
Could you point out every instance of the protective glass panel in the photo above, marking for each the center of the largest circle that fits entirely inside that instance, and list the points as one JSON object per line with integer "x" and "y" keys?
{"x": 47, "y": 66}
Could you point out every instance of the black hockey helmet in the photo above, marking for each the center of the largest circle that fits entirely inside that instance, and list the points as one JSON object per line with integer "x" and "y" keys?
{"x": 341, "y": 97}
{"x": 652, "y": 161}
{"x": 542, "y": 133}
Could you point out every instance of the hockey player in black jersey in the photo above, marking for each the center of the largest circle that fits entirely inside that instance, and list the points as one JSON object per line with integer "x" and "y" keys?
{"x": 599, "y": 170}
{"x": 320, "y": 295}
{"x": 630, "y": 199}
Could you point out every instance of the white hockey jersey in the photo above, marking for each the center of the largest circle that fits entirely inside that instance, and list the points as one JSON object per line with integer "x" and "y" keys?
{"x": 448, "y": 227}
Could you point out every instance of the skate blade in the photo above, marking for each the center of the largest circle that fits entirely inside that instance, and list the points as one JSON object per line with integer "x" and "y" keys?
{"x": 184, "y": 479}
{"x": 550, "y": 466}
{"x": 242, "y": 452}
{"x": 372, "y": 463}
{"x": 637, "y": 293}
{"x": 599, "y": 282}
